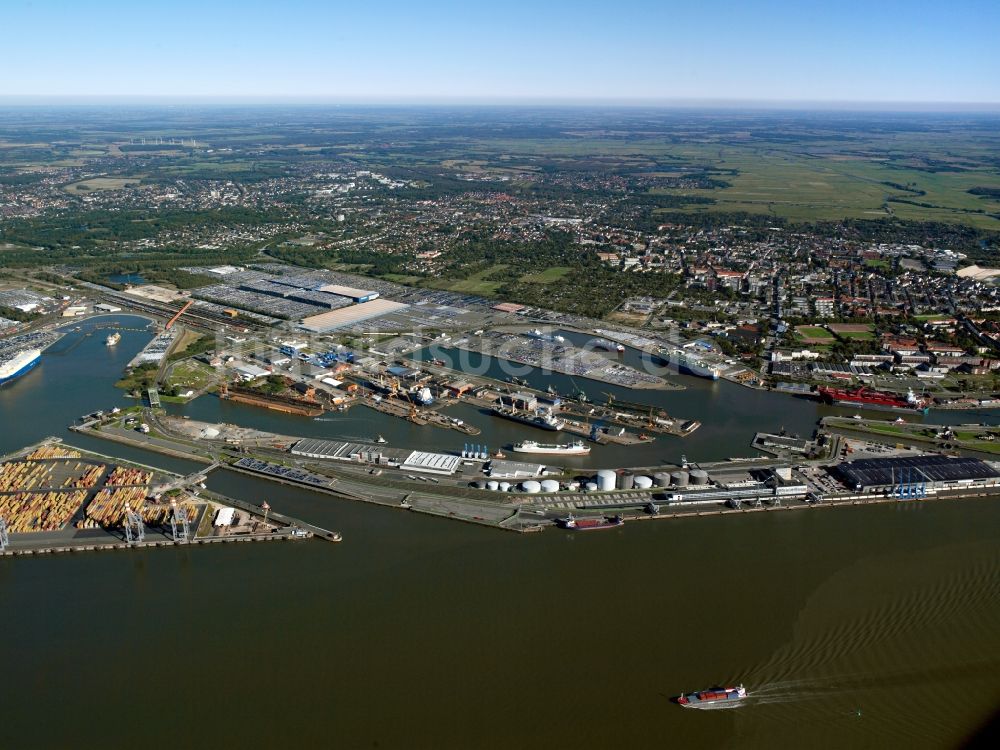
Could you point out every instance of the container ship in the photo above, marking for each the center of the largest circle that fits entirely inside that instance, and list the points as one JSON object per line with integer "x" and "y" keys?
{"x": 535, "y": 419}
{"x": 113, "y": 339}
{"x": 15, "y": 365}
{"x": 869, "y": 398}
{"x": 687, "y": 363}
{"x": 713, "y": 698}
{"x": 606, "y": 345}
{"x": 590, "y": 524}
{"x": 576, "y": 448}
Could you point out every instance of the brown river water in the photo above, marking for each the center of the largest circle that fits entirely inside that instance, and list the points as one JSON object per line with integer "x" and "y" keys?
{"x": 851, "y": 627}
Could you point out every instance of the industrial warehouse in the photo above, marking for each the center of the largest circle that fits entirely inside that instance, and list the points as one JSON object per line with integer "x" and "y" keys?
{"x": 929, "y": 471}
{"x": 410, "y": 460}
{"x": 304, "y": 296}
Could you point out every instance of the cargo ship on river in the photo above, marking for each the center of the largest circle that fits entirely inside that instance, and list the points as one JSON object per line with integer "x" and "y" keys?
{"x": 541, "y": 420}
{"x": 869, "y": 398}
{"x": 714, "y": 698}
{"x": 688, "y": 363}
{"x": 15, "y": 365}
{"x": 576, "y": 448}
{"x": 590, "y": 524}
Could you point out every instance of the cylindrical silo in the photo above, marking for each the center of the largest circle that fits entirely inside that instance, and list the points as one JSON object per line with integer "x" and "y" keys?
{"x": 493, "y": 485}
{"x": 643, "y": 483}
{"x": 505, "y": 486}
{"x": 626, "y": 480}
{"x": 606, "y": 480}
{"x": 661, "y": 479}
{"x": 679, "y": 479}
{"x": 550, "y": 485}
{"x": 590, "y": 486}
{"x": 699, "y": 476}
{"x": 531, "y": 486}
{"x": 479, "y": 485}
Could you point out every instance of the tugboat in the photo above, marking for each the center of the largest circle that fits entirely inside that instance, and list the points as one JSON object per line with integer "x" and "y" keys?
{"x": 717, "y": 696}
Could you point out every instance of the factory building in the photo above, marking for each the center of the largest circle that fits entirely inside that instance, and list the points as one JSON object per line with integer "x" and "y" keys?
{"x": 417, "y": 461}
{"x": 519, "y": 400}
{"x": 931, "y": 471}
{"x": 250, "y": 372}
{"x": 404, "y": 373}
{"x": 431, "y": 463}
{"x": 346, "y": 316}
{"x": 514, "y": 469}
{"x": 358, "y": 295}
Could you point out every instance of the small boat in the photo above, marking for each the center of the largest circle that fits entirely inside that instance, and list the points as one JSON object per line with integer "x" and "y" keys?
{"x": 113, "y": 339}
{"x": 499, "y": 454}
{"x": 717, "y": 696}
{"x": 381, "y": 439}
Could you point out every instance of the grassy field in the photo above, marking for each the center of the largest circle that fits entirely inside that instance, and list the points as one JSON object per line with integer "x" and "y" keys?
{"x": 190, "y": 373}
{"x": 814, "y": 332}
{"x": 547, "y": 276}
{"x": 401, "y": 278}
{"x": 96, "y": 184}
{"x": 816, "y": 178}
{"x": 478, "y": 283}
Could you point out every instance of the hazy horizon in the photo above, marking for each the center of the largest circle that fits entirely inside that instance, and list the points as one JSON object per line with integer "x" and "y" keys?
{"x": 747, "y": 105}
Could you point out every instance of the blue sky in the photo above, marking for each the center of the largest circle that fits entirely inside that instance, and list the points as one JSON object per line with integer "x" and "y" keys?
{"x": 879, "y": 50}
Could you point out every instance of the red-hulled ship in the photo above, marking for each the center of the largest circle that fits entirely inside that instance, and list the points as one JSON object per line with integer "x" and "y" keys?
{"x": 712, "y": 698}
{"x": 869, "y": 398}
{"x": 590, "y": 524}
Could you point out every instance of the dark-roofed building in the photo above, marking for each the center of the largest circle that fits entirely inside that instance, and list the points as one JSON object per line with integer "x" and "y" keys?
{"x": 936, "y": 471}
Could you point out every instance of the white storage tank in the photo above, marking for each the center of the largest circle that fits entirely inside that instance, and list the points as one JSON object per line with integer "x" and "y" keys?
{"x": 531, "y": 486}
{"x": 606, "y": 480}
{"x": 590, "y": 487}
{"x": 505, "y": 486}
{"x": 699, "y": 476}
{"x": 643, "y": 483}
{"x": 550, "y": 485}
{"x": 493, "y": 485}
